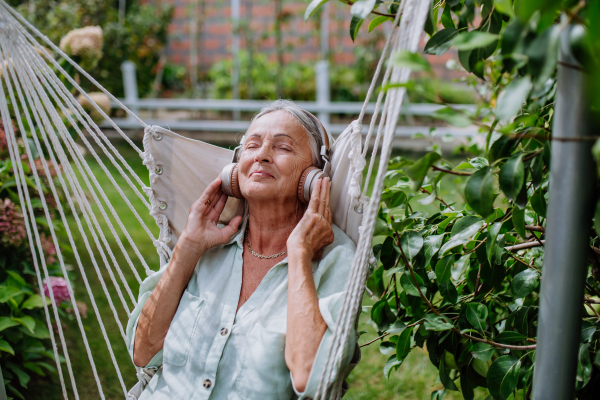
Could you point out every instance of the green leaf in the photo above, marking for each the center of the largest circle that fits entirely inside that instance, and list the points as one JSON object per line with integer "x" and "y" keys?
{"x": 40, "y": 331}
{"x": 584, "y": 366}
{"x": 503, "y": 376}
{"x": 473, "y": 40}
{"x": 431, "y": 245}
{"x": 27, "y": 322}
{"x": 542, "y": 54}
{"x": 391, "y": 364}
{"x": 448, "y": 292}
{"x": 436, "y": 323}
{"x": 362, "y": 8}
{"x": 411, "y": 243}
{"x": 6, "y": 322}
{"x": 482, "y": 351}
{"x": 512, "y": 97}
{"x": 443, "y": 269}
{"x": 312, "y": 7}
{"x": 440, "y": 42}
{"x": 22, "y": 375}
{"x": 375, "y": 22}
{"x": 32, "y": 302}
{"x": 445, "y": 378}
{"x": 403, "y": 345}
{"x": 587, "y": 331}
{"x": 4, "y": 346}
{"x": 466, "y": 227}
{"x": 479, "y": 192}
{"x": 34, "y": 367}
{"x": 538, "y": 202}
{"x": 512, "y": 176}
{"x": 477, "y": 315}
{"x": 408, "y": 284}
{"x": 7, "y": 292}
{"x": 389, "y": 253}
{"x": 490, "y": 244}
{"x": 525, "y": 282}
{"x": 413, "y": 61}
{"x": 508, "y": 337}
{"x": 355, "y": 24}
{"x": 518, "y": 219}
{"x": 417, "y": 171}
{"x": 397, "y": 327}
{"x": 505, "y": 7}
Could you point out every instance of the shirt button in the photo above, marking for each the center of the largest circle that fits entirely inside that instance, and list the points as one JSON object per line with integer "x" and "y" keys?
{"x": 224, "y": 331}
{"x": 207, "y": 384}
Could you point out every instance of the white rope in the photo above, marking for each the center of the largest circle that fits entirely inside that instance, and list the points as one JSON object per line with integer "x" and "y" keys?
{"x": 79, "y": 160}
{"x": 408, "y": 38}
{"x": 9, "y": 72}
{"x": 38, "y": 111}
{"x": 27, "y": 213}
{"x": 86, "y": 120}
{"x": 49, "y": 78}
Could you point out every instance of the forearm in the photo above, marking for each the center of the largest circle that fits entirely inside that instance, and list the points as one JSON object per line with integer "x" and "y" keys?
{"x": 305, "y": 325}
{"x": 159, "y": 310}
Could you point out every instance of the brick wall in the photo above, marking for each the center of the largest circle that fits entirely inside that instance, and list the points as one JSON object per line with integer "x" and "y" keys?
{"x": 301, "y": 39}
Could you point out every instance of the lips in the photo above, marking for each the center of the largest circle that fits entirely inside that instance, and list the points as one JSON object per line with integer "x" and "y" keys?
{"x": 264, "y": 174}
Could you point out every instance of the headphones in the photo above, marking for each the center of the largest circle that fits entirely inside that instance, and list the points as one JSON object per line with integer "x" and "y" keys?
{"x": 229, "y": 176}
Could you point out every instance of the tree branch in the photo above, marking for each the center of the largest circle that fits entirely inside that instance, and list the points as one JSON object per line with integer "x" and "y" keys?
{"x": 535, "y": 228}
{"x": 438, "y": 199}
{"x": 523, "y": 246}
{"x": 436, "y": 312}
{"x": 448, "y": 171}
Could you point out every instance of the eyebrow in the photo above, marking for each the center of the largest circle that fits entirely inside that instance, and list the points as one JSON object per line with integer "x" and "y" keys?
{"x": 276, "y": 135}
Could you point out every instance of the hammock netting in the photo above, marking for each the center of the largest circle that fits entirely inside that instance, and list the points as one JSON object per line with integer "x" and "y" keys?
{"x": 42, "y": 117}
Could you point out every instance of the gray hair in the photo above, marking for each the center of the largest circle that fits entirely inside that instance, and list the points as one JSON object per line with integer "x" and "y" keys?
{"x": 309, "y": 122}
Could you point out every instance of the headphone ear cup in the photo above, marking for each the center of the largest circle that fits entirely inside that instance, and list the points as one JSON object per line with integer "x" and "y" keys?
{"x": 307, "y": 181}
{"x": 229, "y": 181}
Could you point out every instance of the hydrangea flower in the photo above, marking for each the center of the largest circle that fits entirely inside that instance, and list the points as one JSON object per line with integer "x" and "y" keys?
{"x": 59, "y": 288}
{"x": 12, "y": 224}
{"x": 48, "y": 248}
{"x": 85, "y": 43}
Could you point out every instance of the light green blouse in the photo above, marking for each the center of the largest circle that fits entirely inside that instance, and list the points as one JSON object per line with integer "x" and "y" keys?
{"x": 212, "y": 352}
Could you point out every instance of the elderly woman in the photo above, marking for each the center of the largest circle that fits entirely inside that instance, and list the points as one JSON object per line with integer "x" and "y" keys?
{"x": 248, "y": 310}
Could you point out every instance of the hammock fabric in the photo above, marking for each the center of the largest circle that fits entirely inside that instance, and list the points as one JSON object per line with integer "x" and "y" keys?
{"x": 180, "y": 169}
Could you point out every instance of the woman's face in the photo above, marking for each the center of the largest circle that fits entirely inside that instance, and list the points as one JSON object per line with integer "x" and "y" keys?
{"x": 276, "y": 151}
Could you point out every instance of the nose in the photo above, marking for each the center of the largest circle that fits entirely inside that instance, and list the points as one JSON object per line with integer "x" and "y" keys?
{"x": 263, "y": 154}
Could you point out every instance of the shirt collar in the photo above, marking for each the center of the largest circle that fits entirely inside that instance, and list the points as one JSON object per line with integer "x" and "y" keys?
{"x": 238, "y": 237}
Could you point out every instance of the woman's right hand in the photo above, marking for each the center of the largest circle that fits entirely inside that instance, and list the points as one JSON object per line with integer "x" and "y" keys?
{"x": 201, "y": 232}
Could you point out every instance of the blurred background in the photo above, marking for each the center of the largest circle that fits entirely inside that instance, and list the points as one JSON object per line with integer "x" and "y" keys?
{"x": 202, "y": 68}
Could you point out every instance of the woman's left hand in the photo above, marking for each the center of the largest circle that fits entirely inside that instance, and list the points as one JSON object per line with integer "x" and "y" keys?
{"x": 314, "y": 231}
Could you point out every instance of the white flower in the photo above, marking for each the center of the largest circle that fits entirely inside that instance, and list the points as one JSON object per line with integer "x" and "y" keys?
{"x": 85, "y": 43}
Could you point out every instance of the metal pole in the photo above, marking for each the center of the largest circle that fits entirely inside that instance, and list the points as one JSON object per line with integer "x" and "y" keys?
{"x": 322, "y": 69}
{"x": 235, "y": 50}
{"x": 570, "y": 211}
{"x": 130, "y": 86}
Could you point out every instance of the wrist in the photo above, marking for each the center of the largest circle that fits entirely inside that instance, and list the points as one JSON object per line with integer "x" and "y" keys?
{"x": 299, "y": 252}
{"x": 187, "y": 248}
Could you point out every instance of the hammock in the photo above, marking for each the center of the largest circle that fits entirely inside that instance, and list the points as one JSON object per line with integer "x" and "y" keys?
{"x": 40, "y": 99}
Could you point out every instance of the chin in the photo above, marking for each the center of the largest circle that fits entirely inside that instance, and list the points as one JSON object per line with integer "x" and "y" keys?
{"x": 260, "y": 191}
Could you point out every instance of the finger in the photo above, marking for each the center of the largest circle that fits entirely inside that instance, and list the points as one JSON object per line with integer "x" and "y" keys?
{"x": 232, "y": 227}
{"x": 313, "y": 205}
{"x": 210, "y": 191}
{"x": 212, "y": 201}
{"x": 324, "y": 198}
{"x": 328, "y": 197}
{"x": 218, "y": 206}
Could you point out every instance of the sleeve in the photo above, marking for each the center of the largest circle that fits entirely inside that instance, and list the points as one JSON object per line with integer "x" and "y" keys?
{"x": 146, "y": 289}
{"x": 331, "y": 278}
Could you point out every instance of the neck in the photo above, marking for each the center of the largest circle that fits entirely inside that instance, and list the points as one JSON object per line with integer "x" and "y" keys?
{"x": 270, "y": 225}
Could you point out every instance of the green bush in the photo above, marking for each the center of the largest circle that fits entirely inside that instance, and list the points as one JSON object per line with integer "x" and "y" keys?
{"x": 463, "y": 280}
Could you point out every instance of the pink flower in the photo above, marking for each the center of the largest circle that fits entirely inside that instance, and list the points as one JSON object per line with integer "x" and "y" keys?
{"x": 12, "y": 224}
{"x": 48, "y": 248}
{"x": 59, "y": 288}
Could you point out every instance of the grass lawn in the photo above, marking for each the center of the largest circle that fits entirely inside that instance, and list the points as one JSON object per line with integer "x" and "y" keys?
{"x": 414, "y": 380}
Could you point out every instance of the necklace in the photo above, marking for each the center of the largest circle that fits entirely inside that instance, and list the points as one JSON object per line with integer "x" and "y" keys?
{"x": 255, "y": 254}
